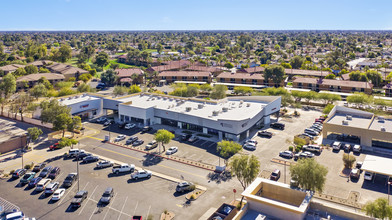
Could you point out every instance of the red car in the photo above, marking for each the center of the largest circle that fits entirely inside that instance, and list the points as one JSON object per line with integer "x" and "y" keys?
{"x": 54, "y": 146}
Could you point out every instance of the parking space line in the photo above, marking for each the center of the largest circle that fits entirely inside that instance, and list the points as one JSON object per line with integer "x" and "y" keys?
{"x": 148, "y": 211}
{"x": 93, "y": 213}
{"x": 137, "y": 203}
{"x": 88, "y": 199}
{"x": 69, "y": 190}
{"x": 211, "y": 144}
{"x": 114, "y": 197}
{"x": 116, "y": 210}
{"x": 122, "y": 208}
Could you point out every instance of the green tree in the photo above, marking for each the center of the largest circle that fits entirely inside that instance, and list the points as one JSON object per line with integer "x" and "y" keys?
{"x": 228, "y": 65}
{"x": 274, "y": 73}
{"x": 67, "y": 142}
{"x": 375, "y": 77}
{"x": 159, "y": 48}
{"x": 51, "y": 109}
{"x": 296, "y": 62}
{"x": 227, "y": 149}
{"x": 7, "y": 88}
{"x": 30, "y": 69}
{"x": 19, "y": 72}
{"x": 348, "y": 161}
{"x": 34, "y": 133}
{"x": 286, "y": 65}
{"x": 38, "y": 90}
{"x": 358, "y": 76}
{"x": 327, "y": 109}
{"x": 109, "y": 77}
{"x": 310, "y": 174}
{"x": 205, "y": 87}
{"x": 218, "y": 92}
{"x": 46, "y": 83}
{"x": 378, "y": 209}
{"x": 359, "y": 98}
{"x": 245, "y": 168}
{"x": 134, "y": 89}
{"x": 85, "y": 77}
{"x": 63, "y": 54}
{"x": 120, "y": 90}
{"x": 61, "y": 122}
{"x": 21, "y": 104}
{"x": 43, "y": 70}
{"x": 329, "y": 98}
{"x": 102, "y": 59}
{"x": 76, "y": 124}
{"x": 242, "y": 90}
{"x": 330, "y": 76}
{"x": 164, "y": 137}
{"x": 83, "y": 87}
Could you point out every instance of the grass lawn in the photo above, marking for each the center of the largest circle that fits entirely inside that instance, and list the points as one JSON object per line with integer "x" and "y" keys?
{"x": 120, "y": 53}
{"x": 73, "y": 61}
{"x": 209, "y": 48}
{"x": 121, "y": 65}
{"x": 150, "y": 50}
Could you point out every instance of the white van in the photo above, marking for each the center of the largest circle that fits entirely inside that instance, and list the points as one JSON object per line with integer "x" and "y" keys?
{"x": 74, "y": 152}
{"x": 314, "y": 148}
{"x": 42, "y": 184}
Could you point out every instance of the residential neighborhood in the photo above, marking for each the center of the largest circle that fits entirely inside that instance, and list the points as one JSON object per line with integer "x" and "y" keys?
{"x": 209, "y": 111}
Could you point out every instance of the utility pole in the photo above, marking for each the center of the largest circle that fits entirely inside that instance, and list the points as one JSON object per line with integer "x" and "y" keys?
{"x": 77, "y": 167}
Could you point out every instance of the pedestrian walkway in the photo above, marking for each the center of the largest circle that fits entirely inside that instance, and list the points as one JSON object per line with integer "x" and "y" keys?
{"x": 6, "y": 205}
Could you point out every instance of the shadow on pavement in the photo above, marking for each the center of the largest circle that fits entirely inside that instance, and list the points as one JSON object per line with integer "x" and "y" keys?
{"x": 151, "y": 160}
{"x": 219, "y": 177}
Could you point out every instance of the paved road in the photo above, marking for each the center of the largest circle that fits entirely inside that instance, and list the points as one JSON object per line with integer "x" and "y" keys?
{"x": 6, "y": 205}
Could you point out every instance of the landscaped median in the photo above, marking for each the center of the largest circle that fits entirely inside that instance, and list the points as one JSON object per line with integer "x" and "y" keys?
{"x": 169, "y": 157}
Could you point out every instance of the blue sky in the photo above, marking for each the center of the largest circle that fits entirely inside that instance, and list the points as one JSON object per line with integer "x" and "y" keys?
{"x": 195, "y": 15}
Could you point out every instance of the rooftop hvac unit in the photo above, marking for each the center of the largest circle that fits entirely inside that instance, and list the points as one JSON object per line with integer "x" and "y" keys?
{"x": 76, "y": 97}
{"x": 170, "y": 99}
{"x": 70, "y": 98}
{"x": 382, "y": 128}
{"x": 381, "y": 119}
{"x": 61, "y": 100}
{"x": 247, "y": 104}
{"x": 241, "y": 101}
{"x": 164, "y": 98}
{"x": 345, "y": 122}
{"x": 200, "y": 106}
{"x": 215, "y": 113}
{"x": 225, "y": 109}
{"x": 158, "y": 97}
{"x": 349, "y": 117}
{"x": 188, "y": 109}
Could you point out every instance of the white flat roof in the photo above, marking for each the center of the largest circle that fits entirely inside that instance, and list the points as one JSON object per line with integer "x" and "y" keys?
{"x": 76, "y": 99}
{"x": 378, "y": 165}
{"x": 235, "y": 110}
{"x": 237, "y": 84}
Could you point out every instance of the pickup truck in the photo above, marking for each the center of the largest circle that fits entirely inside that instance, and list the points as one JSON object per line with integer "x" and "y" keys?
{"x": 123, "y": 168}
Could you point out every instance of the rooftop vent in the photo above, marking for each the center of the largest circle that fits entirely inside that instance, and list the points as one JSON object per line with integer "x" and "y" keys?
{"x": 61, "y": 100}
{"x": 349, "y": 117}
{"x": 69, "y": 98}
{"x": 241, "y": 101}
{"x": 225, "y": 109}
{"x": 200, "y": 106}
{"x": 215, "y": 113}
{"x": 381, "y": 119}
{"x": 383, "y": 128}
{"x": 188, "y": 109}
{"x": 164, "y": 98}
{"x": 247, "y": 104}
{"x": 158, "y": 97}
{"x": 345, "y": 122}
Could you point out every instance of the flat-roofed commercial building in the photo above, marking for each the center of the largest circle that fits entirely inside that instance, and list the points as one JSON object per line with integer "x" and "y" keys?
{"x": 372, "y": 131}
{"x": 11, "y": 137}
{"x": 229, "y": 118}
{"x": 267, "y": 199}
{"x": 84, "y": 106}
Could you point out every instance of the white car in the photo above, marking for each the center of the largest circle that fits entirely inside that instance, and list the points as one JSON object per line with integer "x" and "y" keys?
{"x": 129, "y": 126}
{"x": 141, "y": 174}
{"x": 120, "y": 138}
{"x": 286, "y": 153}
{"x": 101, "y": 119}
{"x": 251, "y": 141}
{"x": 336, "y": 145}
{"x": 171, "y": 150}
{"x": 15, "y": 215}
{"x": 104, "y": 163}
{"x": 58, "y": 194}
{"x": 250, "y": 146}
{"x": 368, "y": 176}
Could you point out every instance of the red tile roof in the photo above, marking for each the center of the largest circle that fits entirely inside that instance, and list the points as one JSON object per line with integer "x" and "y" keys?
{"x": 334, "y": 82}
{"x": 184, "y": 73}
{"x": 128, "y": 72}
{"x": 241, "y": 75}
{"x": 306, "y": 72}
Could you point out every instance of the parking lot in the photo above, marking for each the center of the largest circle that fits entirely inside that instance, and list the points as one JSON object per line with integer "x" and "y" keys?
{"x": 142, "y": 197}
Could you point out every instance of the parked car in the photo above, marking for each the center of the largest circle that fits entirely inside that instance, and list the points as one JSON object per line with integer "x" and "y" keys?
{"x": 347, "y": 148}
{"x": 185, "y": 137}
{"x": 129, "y": 126}
{"x": 100, "y": 85}
{"x": 358, "y": 164}
{"x": 15, "y": 216}
{"x": 58, "y": 194}
{"x": 33, "y": 182}
{"x": 151, "y": 145}
{"x": 79, "y": 198}
{"x": 6, "y": 212}
{"x": 312, "y": 148}
{"x": 42, "y": 185}
{"x": 54, "y": 146}
{"x": 185, "y": 186}
{"x": 355, "y": 173}
{"x": 308, "y": 154}
{"x": 108, "y": 122}
{"x": 368, "y": 176}
{"x": 275, "y": 175}
{"x": 18, "y": 173}
{"x": 171, "y": 150}
{"x": 251, "y": 141}
{"x": 52, "y": 187}
{"x": 82, "y": 155}
{"x": 226, "y": 210}
{"x": 141, "y": 174}
{"x": 55, "y": 171}
{"x": 146, "y": 129}
{"x": 137, "y": 142}
{"x": 101, "y": 119}
{"x": 266, "y": 134}
{"x": 305, "y": 135}
{"x": 45, "y": 171}
{"x": 119, "y": 138}
{"x": 90, "y": 159}
{"x": 278, "y": 125}
{"x": 357, "y": 148}
{"x": 38, "y": 167}
{"x": 104, "y": 163}
{"x": 193, "y": 138}
{"x": 74, "y": 152}
{"x": 70, "y": 179}
{"x": 27, "y": 177}
{"x": 287, "y": 154}
{"x": 311, "y": 131}
{"x": 249, "y": 146}
{"x": 107, "y": 195}
{"x": 123, "y": 168}
{"x": 302, "y": 155}
{"x": 131, "y": 140}
{"x": 336, "y": 146}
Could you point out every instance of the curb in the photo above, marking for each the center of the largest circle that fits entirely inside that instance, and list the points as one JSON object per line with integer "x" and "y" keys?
{"x": 141, "y": 151}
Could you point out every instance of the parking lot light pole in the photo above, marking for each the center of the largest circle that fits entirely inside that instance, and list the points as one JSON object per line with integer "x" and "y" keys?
{"x": 389, "y": 186}
{"x": 77, "y": 168}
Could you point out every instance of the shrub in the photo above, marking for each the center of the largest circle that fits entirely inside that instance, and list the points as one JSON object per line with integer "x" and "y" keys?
{"x": 27, "y": 166}
{"x": 299, "y": 141}
{"x": 192, "y": 187}
{"x": 12, "y": 171}
{"x": 71, "y": 79}
{"x": 66, "y": 91}
{"x": 298, "y": 149}
{"x": 193, "y": 196}
{"x": 348, "y": 160}
{"x": 328, "y": 108}
{"x": 291, "y": 148}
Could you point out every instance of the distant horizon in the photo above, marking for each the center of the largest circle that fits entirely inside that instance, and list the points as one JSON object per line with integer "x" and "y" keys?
{"x": 217, "y": 15}
{"x": 207, "y": 30}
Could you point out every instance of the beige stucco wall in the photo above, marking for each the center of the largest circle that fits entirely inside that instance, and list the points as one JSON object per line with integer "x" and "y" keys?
{"x": 13, "y": 144}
